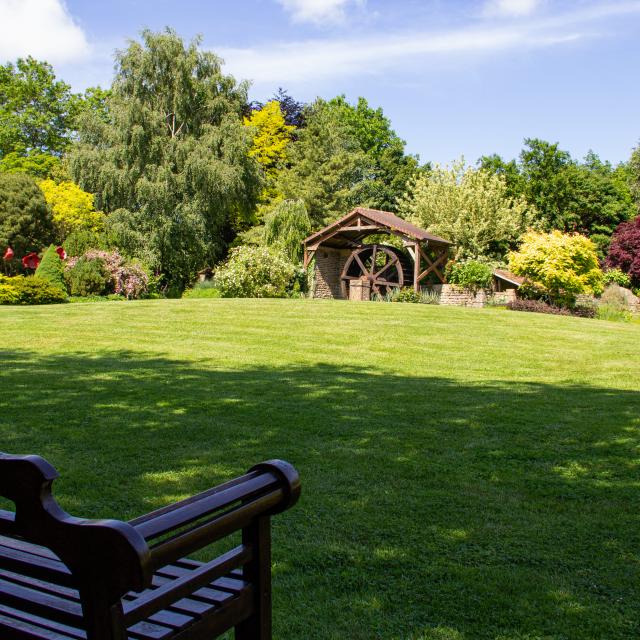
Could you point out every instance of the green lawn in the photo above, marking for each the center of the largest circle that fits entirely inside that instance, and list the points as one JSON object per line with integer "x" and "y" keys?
{"x": 466, "y": 473}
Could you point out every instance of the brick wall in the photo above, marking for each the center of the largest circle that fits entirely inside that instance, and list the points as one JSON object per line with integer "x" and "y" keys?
{"x": 328, "y": 268}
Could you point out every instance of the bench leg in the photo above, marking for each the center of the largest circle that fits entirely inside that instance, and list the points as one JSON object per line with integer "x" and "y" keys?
{"x": 258, "y": 573}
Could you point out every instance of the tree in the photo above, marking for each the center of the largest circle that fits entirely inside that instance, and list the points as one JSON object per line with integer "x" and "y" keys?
{"x": 561, "y": 265}
{"x": 392, "y": 168}
{"x": 470, "y": 207}
{"x": 634, "y": 175}
{"x": 50, "y": 268}
{"x": 72, "y": 208}
{"x": 294, "y": 111}
{"x": 271, "y": 136}
{"x": 25, "y": 218}
{"x": 624, "y": 251}
{"x": 36, "y": 112}
{"x": 326, "y": 169}
{"x": 171, "y": 165}
{"x": 590, "y": 197}
{"x": 286, "y": 226}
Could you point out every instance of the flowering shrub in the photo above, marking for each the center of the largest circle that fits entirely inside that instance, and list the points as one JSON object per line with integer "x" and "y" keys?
{"x": 123, "y": 278}
{"x": 255, "y": 272}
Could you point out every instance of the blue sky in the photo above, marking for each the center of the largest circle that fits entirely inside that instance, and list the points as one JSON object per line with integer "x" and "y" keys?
{"x": 455, "y": 78}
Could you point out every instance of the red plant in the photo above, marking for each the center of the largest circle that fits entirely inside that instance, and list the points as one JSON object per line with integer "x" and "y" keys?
{"x": 8, "y": 254}
{"x": 624, "y": 251}
{"x": 62, "y": 253}
{"x": 31, "y": 261}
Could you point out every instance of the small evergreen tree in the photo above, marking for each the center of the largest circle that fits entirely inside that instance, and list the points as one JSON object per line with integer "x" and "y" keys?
{"x": 51, "y": 269}
{"x": 25, "y": 218}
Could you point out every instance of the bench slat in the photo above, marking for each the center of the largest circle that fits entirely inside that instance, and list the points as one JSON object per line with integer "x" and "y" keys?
{"x": 50, "y": 625}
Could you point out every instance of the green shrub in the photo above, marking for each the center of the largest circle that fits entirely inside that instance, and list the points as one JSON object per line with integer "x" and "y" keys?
{"x": 470, "y": 275}
{"x": 29, "y": 290}
{"x": 617, "y": 276}
{"x": 206, "y": 289}
{"x": 51, "y": 268}
{"x": 88, "y": 277}
{"x": 82, "y": 240}
{"x": 429, "y": 297}
{"x": 613, "y": 312}
{"x": 8, "y": 292}
{"x": 255, "y": 272}
{"x": 406, "y": 294}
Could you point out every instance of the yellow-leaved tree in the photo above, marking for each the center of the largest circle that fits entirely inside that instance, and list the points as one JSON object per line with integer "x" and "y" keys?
{"x": 560, "y": 265}
{"x": 71, "y": 207}
{"x": 271, "y": 138}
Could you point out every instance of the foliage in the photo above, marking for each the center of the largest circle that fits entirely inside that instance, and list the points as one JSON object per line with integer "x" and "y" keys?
{"x": 30, "y": 290}
{"x": 255, "y": 272}
{"x": 406, "y": 294}
{"x": 286, "y": 226}
{"x": 429, "y": 297}
{"x": 617, "y": 276}
{"x": 83, "y": 239}
{"x": 613, "y": 313}
{"x": 624, "y": 251}
{"x": 25, "y": 218}
{"x": 34, "y": 163}
{"x": 590, "y": 197}
{"x": 206, "y": 289}
{"x": 51, "y": 268}
{"x": 125, "y": 278}
{"x": 326, "y": 169}
{"x": 271, "y": 136}
{"x": 36, "y": 110}
{"x": 634, "y": 176}
{"x": 537, "y": 306}
{"x": 72, "y": 208}
{"x": 294, "y": 111}
{"x": 469, "y": 207}
{"x": 171, "y": 166}
{"x": 391, "y": 168}
{"x": 470, "y": 274}
{"x": 562, "y": 265}
{"x": 88, "y": 277}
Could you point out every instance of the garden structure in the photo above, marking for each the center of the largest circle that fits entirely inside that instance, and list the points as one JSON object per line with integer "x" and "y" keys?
{"x": 66, "y": 578}
{"x": 352, "y": 263}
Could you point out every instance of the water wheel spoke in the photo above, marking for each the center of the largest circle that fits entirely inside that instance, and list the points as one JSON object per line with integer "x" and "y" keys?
{"x": 373, "y": 258}
{"x": 391, "y": 263}
{"x": 365, "y": 271}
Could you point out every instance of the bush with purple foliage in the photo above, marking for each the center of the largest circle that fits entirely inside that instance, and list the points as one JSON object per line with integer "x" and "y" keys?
{"x": 624, "y": 251}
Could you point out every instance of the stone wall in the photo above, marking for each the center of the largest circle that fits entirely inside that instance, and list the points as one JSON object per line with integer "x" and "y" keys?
{"x": 328, "y": 268}
{"x": 451, "y": 294}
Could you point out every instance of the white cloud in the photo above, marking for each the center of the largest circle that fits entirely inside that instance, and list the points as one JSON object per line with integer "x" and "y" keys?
{"x": 318, "y": 11}
{"x": 43, "y": 29}
{"x": 511, "y": 7}
{"x": 309, "y": 61}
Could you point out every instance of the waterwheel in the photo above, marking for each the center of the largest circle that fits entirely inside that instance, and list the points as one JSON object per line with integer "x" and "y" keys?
{"x": 384, "y": 266}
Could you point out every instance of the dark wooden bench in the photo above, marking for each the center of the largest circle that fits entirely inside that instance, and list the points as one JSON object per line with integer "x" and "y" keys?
{"x": 66, "y": 578}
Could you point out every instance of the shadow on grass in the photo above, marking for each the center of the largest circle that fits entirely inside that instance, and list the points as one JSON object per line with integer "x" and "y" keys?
{"x": 431, "y": 509}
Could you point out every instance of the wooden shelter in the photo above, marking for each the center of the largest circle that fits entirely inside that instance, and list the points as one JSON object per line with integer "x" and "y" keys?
{"x": 349, "y": 267}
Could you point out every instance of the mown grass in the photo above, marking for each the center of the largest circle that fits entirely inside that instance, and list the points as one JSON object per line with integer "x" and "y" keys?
{"x": 466, "y": 473}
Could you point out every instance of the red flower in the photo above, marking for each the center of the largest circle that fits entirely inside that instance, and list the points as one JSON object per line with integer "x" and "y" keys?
{"x": 62, "y": 253}
{"x": 31, "y": 261}
{"x": 8, "y": 254}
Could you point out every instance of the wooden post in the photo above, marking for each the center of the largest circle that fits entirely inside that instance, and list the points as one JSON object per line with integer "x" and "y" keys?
{"x": 258, "y": 572}
{"x": 416, "y": 268}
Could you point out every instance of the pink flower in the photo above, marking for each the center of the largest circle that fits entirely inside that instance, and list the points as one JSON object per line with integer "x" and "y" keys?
{"x": 62, "y": 253}
{"x": 8, "y": 254}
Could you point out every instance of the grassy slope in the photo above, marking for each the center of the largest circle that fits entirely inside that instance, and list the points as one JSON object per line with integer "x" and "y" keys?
{"x": 467, "y": 473}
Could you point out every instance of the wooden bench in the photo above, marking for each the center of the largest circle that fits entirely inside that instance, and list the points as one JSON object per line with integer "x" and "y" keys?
{"x": 66, "y": 578}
